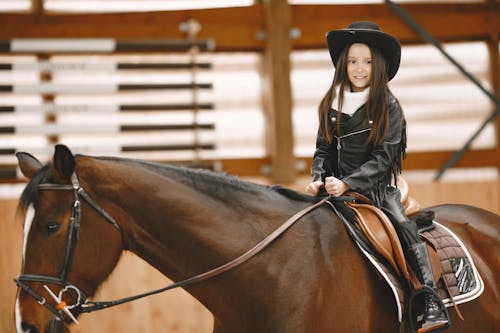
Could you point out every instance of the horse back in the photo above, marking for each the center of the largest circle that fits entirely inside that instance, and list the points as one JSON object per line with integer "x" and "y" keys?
{"x": 479, "y": 230}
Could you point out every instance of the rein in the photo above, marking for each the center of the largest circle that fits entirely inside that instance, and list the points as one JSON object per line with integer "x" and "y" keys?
{"x": 93, "y": 306}
{"x": 82, "y": 302}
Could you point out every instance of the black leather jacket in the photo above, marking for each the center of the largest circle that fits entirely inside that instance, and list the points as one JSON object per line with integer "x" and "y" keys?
{"x": 367, "y": 168}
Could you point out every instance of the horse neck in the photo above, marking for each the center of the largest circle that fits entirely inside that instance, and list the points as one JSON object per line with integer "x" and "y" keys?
{"x": 178, "y": 229}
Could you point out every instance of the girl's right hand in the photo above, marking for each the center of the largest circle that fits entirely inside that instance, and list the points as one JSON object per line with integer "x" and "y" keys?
{"x": 314, "y": 187}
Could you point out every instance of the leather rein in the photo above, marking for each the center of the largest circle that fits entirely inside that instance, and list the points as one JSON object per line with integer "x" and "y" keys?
{"x": 83, "y": 304}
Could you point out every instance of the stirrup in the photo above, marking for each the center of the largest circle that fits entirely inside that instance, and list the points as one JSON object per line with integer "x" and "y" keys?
{"x": 415, "y": 319}
{"x": 434, "y": 308}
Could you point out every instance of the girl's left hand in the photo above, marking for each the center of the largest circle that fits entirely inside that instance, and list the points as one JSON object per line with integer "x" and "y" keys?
{"x": 335, "y": 186}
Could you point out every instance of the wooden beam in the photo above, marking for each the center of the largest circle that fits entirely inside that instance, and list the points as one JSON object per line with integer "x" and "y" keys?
{"x": 277, "y": 92}
{"x": 414, "y": 161}
{"x": 252, "y": 167}
{"x": 235, "y": 29}
{"x": 471, "y": 159}
{"x": 445, "y": 22}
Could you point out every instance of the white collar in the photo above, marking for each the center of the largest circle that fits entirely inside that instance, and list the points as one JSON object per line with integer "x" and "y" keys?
{"x": 352, "y": 100}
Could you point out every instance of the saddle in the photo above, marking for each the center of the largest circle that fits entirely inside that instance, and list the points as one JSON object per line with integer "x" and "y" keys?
{"x": 457, "y": 278}
{"x": 380, "y": 232}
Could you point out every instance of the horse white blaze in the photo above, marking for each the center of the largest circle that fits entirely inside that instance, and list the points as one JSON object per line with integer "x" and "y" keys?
{"x": 19, "y": 328}
{"x": 30, "y": 213}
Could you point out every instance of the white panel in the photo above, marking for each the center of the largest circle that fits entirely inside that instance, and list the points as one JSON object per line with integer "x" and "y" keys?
{"x": 54, "y": 88}
{"x": 55, "y": 129}
{"x": 55, "y": 108}
{"x": 46, "y": 66}
{"x": 62, "y": 45}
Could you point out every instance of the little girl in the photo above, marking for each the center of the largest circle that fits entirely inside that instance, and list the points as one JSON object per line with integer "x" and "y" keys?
{"x": 361, "y": 139}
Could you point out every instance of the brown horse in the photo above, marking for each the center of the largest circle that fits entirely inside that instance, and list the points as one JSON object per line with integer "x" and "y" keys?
{"x": 184, "y": 222}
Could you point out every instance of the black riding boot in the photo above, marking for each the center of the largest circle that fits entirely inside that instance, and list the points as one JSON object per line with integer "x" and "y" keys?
{"x": 435, "y": 315}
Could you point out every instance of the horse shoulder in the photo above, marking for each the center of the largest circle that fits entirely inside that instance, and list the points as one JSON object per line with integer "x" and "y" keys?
{"x": 348, "y": 295}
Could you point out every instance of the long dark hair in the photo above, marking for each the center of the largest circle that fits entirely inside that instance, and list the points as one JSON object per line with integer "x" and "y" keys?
{"x": 376, "y": 105}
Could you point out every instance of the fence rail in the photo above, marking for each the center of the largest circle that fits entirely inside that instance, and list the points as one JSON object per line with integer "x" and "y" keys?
{"x": 92, "y": 116}
{"x": 100, "y": 45}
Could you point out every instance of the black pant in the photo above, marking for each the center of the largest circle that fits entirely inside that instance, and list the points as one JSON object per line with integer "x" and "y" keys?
{"x": 406, "y": 229}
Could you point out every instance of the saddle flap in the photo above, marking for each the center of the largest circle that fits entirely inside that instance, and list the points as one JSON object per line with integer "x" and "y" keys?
{"x": 381, "y": 233}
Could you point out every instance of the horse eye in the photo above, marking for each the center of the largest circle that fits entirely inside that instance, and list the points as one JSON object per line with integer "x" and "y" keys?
{"x": 52, "y": 228}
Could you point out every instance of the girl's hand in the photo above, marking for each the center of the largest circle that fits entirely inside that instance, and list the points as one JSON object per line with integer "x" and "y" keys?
{"x": 314, "y": 187}
{"x": 335, "y": 186}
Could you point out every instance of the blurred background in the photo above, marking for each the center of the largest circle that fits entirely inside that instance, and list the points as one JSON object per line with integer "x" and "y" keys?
{"x": 231, "y": 86}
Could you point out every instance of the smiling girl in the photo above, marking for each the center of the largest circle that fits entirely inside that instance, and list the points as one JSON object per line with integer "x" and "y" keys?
{"x": 361, "y": 140}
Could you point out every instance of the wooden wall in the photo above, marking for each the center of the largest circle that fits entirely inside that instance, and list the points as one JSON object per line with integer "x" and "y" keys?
{"x": 10, "y": 262}
{"x": 485, "y": 194}
{"x": 176, "y": 311}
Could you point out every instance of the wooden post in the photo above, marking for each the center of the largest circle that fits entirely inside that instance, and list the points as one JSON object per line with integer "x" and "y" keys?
{"x": 277, "y": 97}
{"x": 50, "y": 118}
{"x": 495, "y": 76}
{"x": 494, "y": 62}
{"x": 37, "y": 9}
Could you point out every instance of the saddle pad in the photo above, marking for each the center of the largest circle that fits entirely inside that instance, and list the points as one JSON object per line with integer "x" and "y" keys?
{"x": 462, "y": 277}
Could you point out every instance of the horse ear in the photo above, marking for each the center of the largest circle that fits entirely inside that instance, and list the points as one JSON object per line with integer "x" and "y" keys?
{"x": 64, "y": 161}
{"x": 28, "y": 164}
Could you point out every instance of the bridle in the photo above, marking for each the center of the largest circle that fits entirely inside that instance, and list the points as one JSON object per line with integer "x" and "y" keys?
{"x": 83, "y": 304}
{"x": 72, "y": 239}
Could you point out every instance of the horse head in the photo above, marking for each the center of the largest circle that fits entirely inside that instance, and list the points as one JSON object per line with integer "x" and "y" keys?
{"x": 63, "y": 236}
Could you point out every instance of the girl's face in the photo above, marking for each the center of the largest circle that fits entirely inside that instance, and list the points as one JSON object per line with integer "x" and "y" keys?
{"x": 359, "y": 66}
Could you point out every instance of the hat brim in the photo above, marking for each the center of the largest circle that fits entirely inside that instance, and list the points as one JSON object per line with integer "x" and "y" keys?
{"x": 387, "y": 44}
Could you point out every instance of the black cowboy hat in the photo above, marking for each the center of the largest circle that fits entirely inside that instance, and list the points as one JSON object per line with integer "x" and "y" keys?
{"x": 367, "y": 33}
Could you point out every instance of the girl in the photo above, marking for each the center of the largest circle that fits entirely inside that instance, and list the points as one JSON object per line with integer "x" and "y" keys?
{"x": 361, "y": 140}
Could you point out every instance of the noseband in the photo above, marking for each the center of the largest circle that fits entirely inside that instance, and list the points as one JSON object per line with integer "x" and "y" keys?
{"x": 82, "y": 303}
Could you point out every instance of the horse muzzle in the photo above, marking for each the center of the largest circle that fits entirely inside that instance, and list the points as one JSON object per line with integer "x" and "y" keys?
{"x": 55, "y": 325}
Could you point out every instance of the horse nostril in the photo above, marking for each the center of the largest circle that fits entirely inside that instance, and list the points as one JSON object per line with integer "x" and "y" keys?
{"x": 55, "y": 326}
{"x": 28, "y": 328}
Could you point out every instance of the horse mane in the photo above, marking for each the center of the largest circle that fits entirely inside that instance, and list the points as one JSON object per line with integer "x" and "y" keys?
{"x": 219, "y": 183}
{"x": 294, "y": 195}
{"x": 202, "y": 180}
{"x": 216, "y": 183}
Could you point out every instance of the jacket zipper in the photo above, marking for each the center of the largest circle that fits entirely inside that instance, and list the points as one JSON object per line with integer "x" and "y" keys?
{"x": 338, "y": 154}
{"x": 339, "y": 145}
